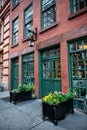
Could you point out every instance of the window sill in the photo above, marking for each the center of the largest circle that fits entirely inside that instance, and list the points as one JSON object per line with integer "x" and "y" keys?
{"x": 81, "y": 11}
{"x": 15, "y": 6}
{"x": 14, "y": 45}
{"x": 25, "y": 39}
{"x": 48, "y": 28}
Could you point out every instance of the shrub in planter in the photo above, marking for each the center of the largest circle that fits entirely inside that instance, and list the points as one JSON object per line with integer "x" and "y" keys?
{"x": 56, "y": 105}
{"x": 22, "y": 93}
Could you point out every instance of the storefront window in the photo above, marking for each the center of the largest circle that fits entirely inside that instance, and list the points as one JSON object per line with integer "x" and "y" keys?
{"x": 78, "y": 53}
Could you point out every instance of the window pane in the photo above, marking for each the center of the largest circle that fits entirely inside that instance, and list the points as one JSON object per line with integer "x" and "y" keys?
{"x": 56, "y": 69}
{"x": 15, "y": 2}
{"x": 28, "y": 20}
{"x": 73, "y": 47}
{"x": 15, "y": 31}
{"x": 78, "y": 4}
{"x": 48, "y": 12}
{"x": 46, "y": 70}
{"x": 79, "y": 45}
{"x": 85, "y": 44}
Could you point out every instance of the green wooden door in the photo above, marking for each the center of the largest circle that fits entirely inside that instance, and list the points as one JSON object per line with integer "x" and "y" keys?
{"x": 28, "y": 68}
{"x": 14, "y": 75}
{"x": 51, "y": 72}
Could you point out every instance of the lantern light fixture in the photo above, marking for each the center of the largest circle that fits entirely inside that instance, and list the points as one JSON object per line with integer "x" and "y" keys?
{"x": 33, "y": 37}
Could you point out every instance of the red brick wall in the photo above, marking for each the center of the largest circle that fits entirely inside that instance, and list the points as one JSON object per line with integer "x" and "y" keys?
{"x": 64, "y": 67}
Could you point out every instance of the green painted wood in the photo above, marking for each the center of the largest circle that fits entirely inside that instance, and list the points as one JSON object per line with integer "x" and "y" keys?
{"x": 50, "y": 71}
{"x": 14, "y": 75}
{"x": 28, "y": 68}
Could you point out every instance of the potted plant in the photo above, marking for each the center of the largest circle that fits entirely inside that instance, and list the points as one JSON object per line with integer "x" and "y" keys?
{"x": 56, "y": 105}
{"x": 22, "y": 93}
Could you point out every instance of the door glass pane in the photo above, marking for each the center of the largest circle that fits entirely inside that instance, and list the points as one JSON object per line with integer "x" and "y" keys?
{"x": 28, "y": 69}
{"x": 51, "y": 53}
{"x": 46, "y": 70}
{"x": 56, "y": 73}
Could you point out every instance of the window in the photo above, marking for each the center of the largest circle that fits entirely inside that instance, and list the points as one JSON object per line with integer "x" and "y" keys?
{"x": 28, "y": 20}
{"x": 48, "y": 13}
{"x": 28, "y": 68}
{"x": 77, "y": 5}
{"x": 78, "y": 52}
{"x": 15, "y": 32}
{"x": 15, "y": 2}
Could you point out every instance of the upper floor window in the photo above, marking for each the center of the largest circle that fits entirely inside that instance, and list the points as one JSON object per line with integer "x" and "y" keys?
{"x": 77, "y": 5}
{"x": 15, "y": 2}
{"x": 15, "y": 31}
{"x": 48, "y": 13}
{"x": 28, "y": 20}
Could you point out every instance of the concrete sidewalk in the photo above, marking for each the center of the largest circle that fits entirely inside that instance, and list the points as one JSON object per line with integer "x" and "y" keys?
{"x": 4, "y": 94}
{"x": 27, "y": 115}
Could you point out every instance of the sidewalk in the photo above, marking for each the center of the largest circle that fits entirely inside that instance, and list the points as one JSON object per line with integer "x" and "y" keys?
{"x": 4, "y": 94}
{"x": 27, "y": 115}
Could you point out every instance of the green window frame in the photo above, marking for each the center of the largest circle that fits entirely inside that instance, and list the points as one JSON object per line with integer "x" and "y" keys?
{"x": 15, "y": 28}
{"x": 15, "y": 3}
{"x": 28, "y": 20}
{"x": 77, "y": 5}
{"x": 78, "y": 54}
{"x": 48, "y": 10}
{"x": 28, "y": 68}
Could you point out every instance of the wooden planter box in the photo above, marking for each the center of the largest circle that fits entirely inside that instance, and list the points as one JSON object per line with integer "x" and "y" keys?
{"x": 56, "y": 112}
{"x": 22, "y": 96}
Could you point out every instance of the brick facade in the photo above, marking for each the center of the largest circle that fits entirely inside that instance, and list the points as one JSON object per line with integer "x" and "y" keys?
{"x": 66, "y": 28}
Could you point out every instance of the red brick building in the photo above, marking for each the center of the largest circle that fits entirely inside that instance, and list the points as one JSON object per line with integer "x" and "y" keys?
{"x": 58, "y": 59}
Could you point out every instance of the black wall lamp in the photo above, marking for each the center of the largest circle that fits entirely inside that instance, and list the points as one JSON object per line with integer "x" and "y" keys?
{"x": 32, "y": 37}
